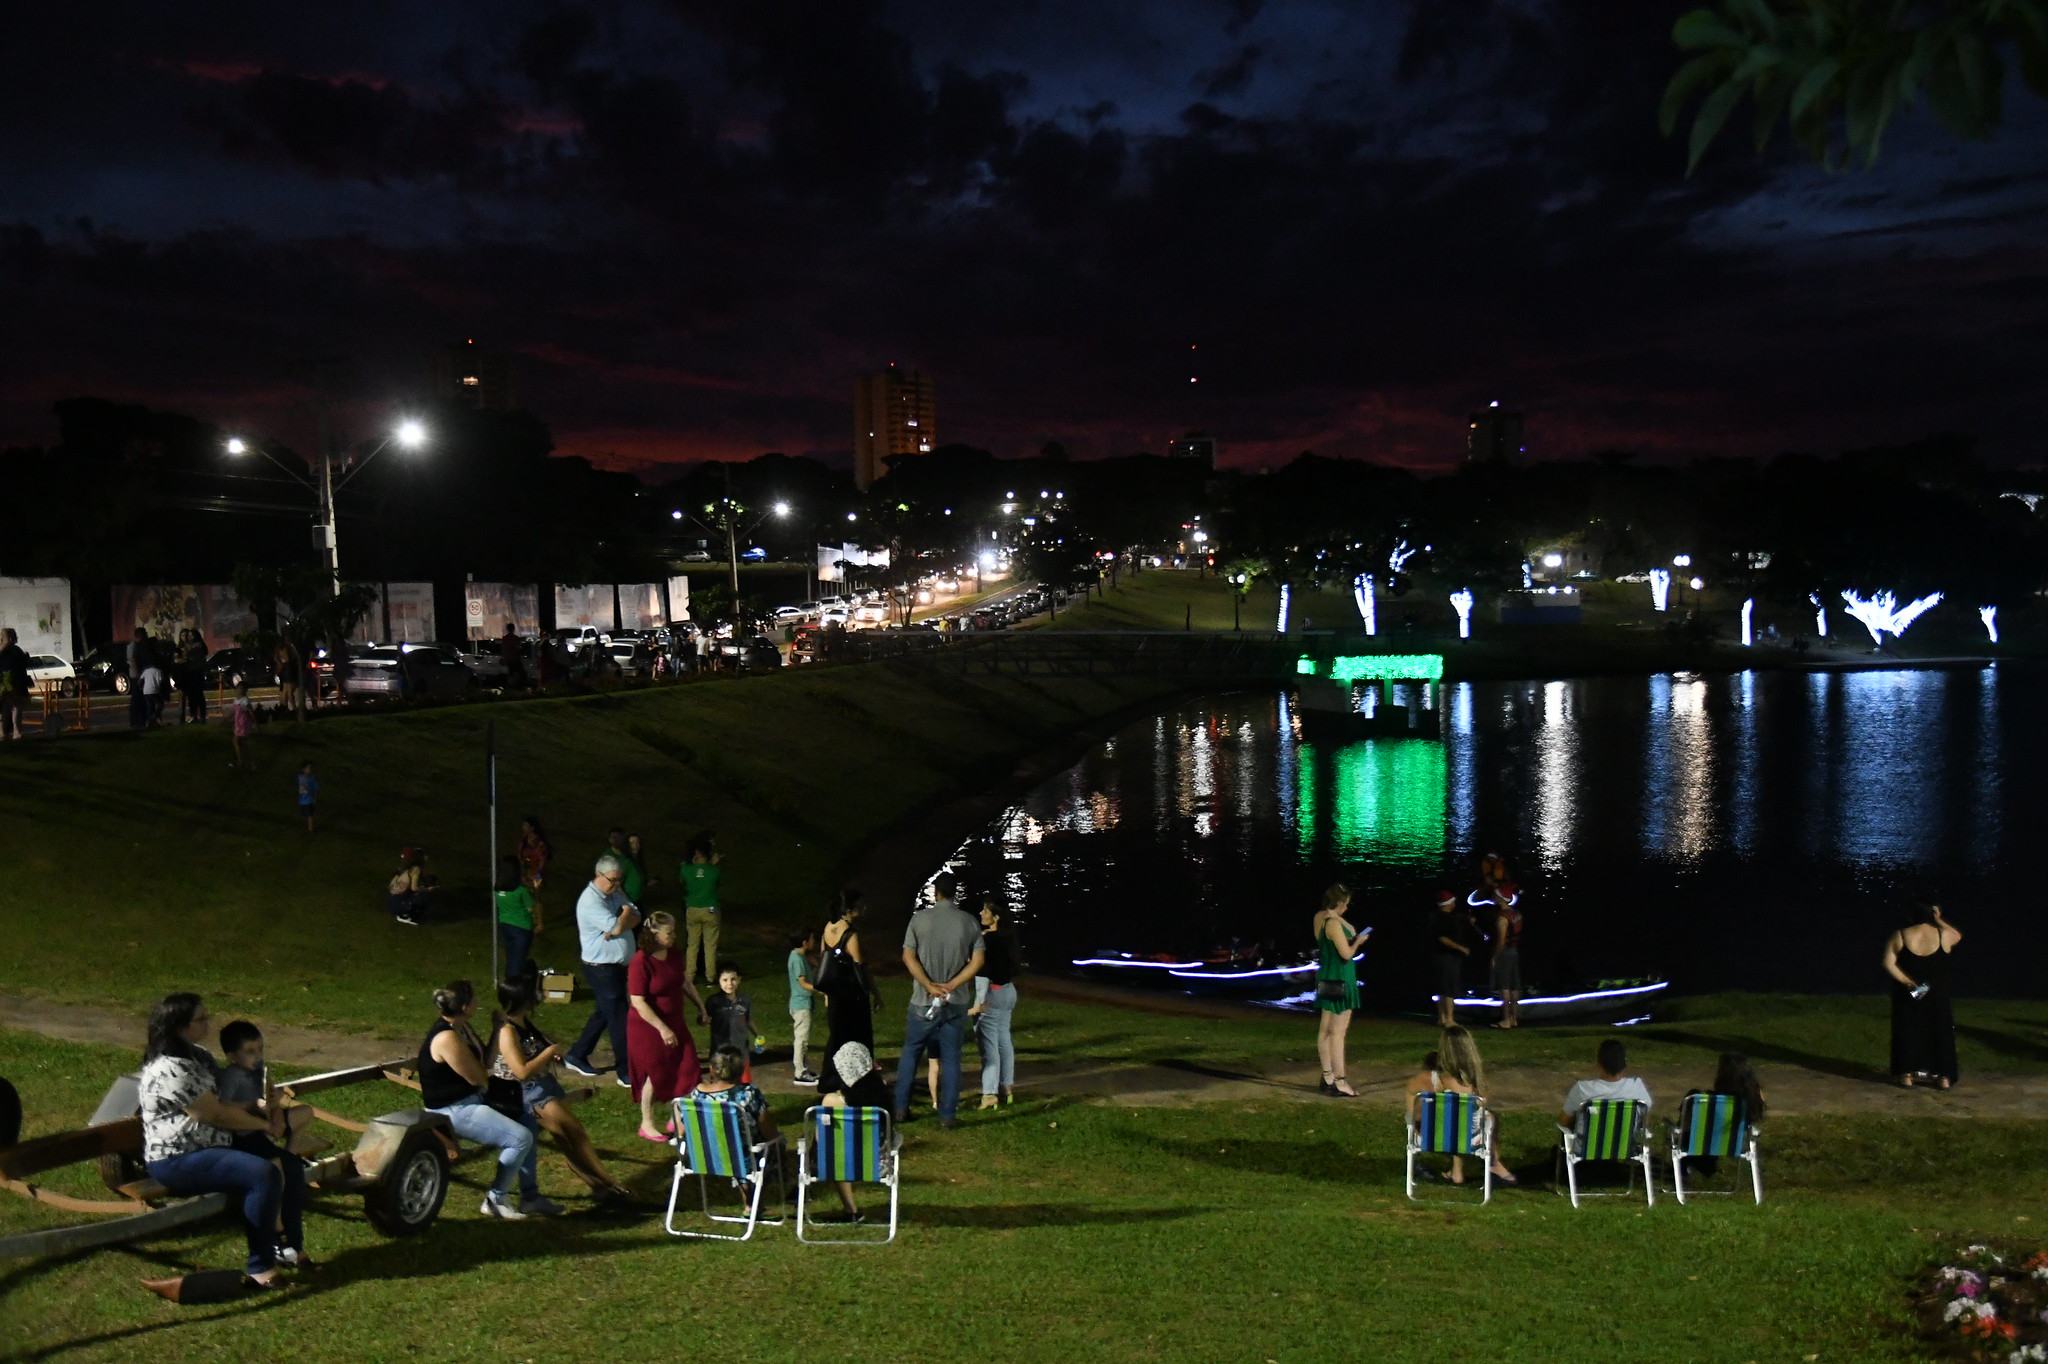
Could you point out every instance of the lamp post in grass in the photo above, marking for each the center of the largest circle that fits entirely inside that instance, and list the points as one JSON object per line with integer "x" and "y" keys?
{"x": 407, "y": 435}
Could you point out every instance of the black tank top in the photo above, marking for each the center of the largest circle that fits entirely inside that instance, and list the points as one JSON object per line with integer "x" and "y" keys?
{"x": 440, "y": 1083}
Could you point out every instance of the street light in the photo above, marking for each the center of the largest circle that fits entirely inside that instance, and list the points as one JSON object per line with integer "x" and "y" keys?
{"x": 1681, "y": 561}
{"x": 409, "y": 434}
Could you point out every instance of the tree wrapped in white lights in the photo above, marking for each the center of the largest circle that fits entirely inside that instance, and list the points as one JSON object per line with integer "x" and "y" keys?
{"x": 1989, "y": 615}
{"x": 1284, "y": 594}
{"x": 1820, "y": 615}
{"x": 1660, "y": 588}
{"x": 1748, "y": 618}
{"x": 1461, "y": 602}
{"x": 1361, "y": 592}
{"x": 1881, "y": 613}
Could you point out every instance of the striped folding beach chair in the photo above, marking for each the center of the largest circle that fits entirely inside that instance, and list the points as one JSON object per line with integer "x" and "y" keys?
{"x": 1609, "y": 1129}
{"x": 1449, "y": 1124}
{"x": 1716, "y": 1125}
{"x": 716, "y": 1140}
{"x": 850, "y": 1145}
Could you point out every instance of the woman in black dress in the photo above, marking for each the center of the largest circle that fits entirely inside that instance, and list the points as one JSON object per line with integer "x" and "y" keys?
{"x": 851, "y": 999}
{"x": 1923, "y": 1018}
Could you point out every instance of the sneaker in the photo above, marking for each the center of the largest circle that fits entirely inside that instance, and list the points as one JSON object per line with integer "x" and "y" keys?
{"x": 539, "y": 1205}
{"x": 407, "y": 919}
{"x": 622, "y": 1082}
{"x": 578, "y": 1068}
{"x": 805, "y": 1077}
{"x": 288, "y": 1257}
{"x": 497, "y": 1205}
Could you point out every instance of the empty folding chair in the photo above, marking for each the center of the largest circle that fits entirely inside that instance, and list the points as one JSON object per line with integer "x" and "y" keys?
{"x": 1450, "y": 1124}
{"x": 850, "y": 1145}
{"x": 716, "y": 1140}
{"x": 1715, "y": 1125}
{"x": 1609, "y": 1129}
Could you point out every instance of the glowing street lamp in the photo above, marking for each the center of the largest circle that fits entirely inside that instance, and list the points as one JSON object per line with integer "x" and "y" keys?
{"x": 409, "y": 434}
{"x": 1681, "y": 561}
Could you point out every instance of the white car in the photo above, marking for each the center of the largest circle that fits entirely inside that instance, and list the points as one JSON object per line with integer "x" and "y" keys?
{"x": 871, "y": 613}
{"x": 576, "y": 638}
{"x": 786, "y": 614}
{"x": 44, "y": 668}
{"x": 834, "y": 615}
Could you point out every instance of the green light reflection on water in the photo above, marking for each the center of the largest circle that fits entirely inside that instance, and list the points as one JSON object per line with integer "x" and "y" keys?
{"x": 1387, "y": 806}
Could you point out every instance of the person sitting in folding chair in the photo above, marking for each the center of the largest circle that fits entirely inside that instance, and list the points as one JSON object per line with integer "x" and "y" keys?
{"x": 849, "y": 1138}
{"x": 1455, "y": 1068}
{"x": 852, "y": 1080}
{"x": 1722, "y": 1121}
{"x": 1612, "y": 1088}
{"x": 724, "y": 1130}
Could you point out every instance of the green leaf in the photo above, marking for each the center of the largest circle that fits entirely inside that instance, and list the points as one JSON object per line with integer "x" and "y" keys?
{"x": 1706, "y": 124}
{"x": 1705, "y": 28}
{"x": 1773, "y": 93}
{"x": 1686, "y": 82}
{"x": 1812, "y": 86}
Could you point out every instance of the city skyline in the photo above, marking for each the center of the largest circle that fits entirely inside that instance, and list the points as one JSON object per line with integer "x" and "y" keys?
{"x": 689, "y": 229}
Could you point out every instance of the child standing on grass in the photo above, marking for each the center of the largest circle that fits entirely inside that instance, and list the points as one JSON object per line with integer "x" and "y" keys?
{"x": 801, "y": 988}
{"x": 732, "y": 1018}
{"x": 153, "y": 696}
{"x": 309, "y": 792}
{"x": 243, "y": 725}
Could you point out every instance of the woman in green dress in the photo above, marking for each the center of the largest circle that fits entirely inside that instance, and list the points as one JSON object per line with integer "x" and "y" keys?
{"x": 1337, "y": 947}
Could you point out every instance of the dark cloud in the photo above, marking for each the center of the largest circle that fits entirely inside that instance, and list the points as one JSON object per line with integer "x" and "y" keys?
{"x": 695, "y": 222}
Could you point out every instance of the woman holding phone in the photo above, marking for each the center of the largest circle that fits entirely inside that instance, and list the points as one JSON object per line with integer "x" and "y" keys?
{"x": 1923, "y": 1018}
{"x": 1337, "y": 948}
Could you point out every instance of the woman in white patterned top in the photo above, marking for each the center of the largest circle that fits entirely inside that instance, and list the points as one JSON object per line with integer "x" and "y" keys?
{"x": 186, "y": 1128}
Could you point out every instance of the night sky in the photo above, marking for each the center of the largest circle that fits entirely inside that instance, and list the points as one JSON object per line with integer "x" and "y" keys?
{"x": 695, "y": 222}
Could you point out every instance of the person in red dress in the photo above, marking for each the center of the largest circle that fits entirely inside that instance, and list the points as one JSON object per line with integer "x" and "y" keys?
{"x": 661, "y": 1058}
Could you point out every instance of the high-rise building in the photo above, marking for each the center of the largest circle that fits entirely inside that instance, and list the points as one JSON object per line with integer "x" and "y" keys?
{"x": 893, "y": 415}
{"x": 478, "y": 378}
{"x": 1495, "y": 437}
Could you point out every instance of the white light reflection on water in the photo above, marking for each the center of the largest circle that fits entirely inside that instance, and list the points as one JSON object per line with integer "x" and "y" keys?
{"x": 1678, "y": 769}
{"x": 1464, "y": 755}
{"x": 1887, "y": 732}
{"x": 1743, "y": 793}
{"x": 1197, "y": 792}
{"x": 1557, "y": 776}
{"x": 1986, "y": 823}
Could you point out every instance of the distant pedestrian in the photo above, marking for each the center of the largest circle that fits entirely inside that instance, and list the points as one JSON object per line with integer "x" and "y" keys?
{"x": 942, "y": 950}
{"x": 518, "y": 918}
{"x": 636, "y": 852}
{"x": 700, "y": 876}
{"x": 1337, "y": 947}
{"x": 141, "y": 652}
{"x": 1917, "y": 958}
{"x": 408, "y": 892}
{"x": 513, "y": 653}
{"x": 154, "y": 685}
{"x": 1504, "y": 973}
{"x": 995, "y": 1004}
{"x": 605, "y": 921}
{"x": 242, "y": 724}
{"x": 803, "y": 946}
{"x": 309, "y": 793}
{"x": 287, "y": 677}
{"x": 14, "y": 683}
{"x": 192, "y": 657}
{"x": 1450, "y": 947}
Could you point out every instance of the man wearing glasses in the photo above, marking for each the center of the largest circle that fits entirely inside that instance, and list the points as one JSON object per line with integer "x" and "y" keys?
{"x": 605, "y": 920}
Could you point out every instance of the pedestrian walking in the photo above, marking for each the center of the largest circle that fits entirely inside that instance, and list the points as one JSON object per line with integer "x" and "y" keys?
{"x": 14, "y": 683}
{"x": 942, "y": 950}
{"x": 605, "y": 921}
{"x": 803, "y": 946}
{"x": 518, "y": 918}
{"x": 1450, "y": 947}
{"x": 660, "y": 1057}
{"x": 141, "y": 653}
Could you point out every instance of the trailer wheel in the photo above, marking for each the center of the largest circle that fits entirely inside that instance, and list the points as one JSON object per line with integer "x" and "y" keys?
{"x": 407, "y": 1199}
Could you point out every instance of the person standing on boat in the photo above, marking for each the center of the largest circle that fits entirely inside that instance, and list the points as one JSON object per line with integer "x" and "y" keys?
{"x": 1337, "y": 948}
{"x": 1504, "y": 973}
{"x": 1923, "y": 1017}
{"x": 1450, "y": 946}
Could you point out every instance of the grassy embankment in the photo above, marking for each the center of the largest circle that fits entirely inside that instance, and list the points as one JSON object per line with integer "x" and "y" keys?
{"x": 1619, "y": 633}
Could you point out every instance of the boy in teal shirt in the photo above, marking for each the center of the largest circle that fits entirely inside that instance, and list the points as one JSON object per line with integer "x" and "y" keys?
{"x": 801, "y": 991}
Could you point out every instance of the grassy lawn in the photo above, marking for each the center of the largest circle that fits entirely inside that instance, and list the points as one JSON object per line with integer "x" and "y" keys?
{"x": 1274, "y": 1231}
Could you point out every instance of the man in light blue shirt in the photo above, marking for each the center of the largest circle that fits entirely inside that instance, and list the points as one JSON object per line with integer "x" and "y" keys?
{"x": 605, "y": 920}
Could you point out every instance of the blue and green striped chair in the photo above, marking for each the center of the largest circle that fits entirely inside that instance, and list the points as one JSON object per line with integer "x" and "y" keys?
{"x": 1451, "y": 1124}
{"x": 716, "y": 1140}
{"x": 1609, "y": 1129}
{"x": 1716, "y": 1125}
{"x": 853, "y": 1146}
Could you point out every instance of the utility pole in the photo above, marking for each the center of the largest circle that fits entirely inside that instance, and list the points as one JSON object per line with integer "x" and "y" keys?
{"x": 324, "y": 540}
{"x": 732, "y": 548}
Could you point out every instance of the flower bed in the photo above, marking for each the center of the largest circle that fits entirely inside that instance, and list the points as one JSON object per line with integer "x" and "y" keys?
{"x": 1986, "y": 1303}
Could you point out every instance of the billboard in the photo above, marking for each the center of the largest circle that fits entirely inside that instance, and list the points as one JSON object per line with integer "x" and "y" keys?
{"x": 38, "y": 610}
{"x": 585, "y": 606}
{"x": 830, "y": 557}
{"x": 679, "y": 598}
{"x": 640, "y": 606}
{"x": 489, "y": 606}
{"x": 409, "y": 608}
{"x": 164, "y": 609}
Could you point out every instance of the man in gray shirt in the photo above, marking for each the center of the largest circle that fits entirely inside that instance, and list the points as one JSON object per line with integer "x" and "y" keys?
{"x": 605, "y": 920}
{"x": 942, "y": 951}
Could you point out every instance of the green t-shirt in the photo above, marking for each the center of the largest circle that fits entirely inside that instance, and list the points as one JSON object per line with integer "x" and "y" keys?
{"x": 515, "y": 907}
{"x": 700, "y": 885}
{"x": 635, "y": 880}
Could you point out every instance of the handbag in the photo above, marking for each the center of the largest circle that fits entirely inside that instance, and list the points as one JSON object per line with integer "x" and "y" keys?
{"x": 1332, "y": 992}
{"x": 505, "y": 1096}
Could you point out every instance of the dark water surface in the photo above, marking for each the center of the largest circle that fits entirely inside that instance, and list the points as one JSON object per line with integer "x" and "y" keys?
{"x": 1758, "y": 831}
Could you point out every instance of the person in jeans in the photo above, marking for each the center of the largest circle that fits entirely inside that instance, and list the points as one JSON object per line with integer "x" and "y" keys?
{"x": 452, "y": 1083}
{"x": 942, "y": 949}
{"x": 14, "y": 684}
{"x": 187, "y": 1131}
{"x": 518, "y": 917}
{"x": 995, "y": 1001}
{"x": 605, "y": 920}
{"x": 700, "y": 876}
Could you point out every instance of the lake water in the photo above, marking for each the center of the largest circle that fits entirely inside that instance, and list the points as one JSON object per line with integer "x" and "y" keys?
{"x": 1758, "y": 831}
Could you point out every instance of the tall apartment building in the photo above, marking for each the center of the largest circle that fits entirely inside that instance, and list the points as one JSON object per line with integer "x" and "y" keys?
{"x": 483, "y": 379}
{"x": 1495, "y": 436}
{"x": 893, "y": 414}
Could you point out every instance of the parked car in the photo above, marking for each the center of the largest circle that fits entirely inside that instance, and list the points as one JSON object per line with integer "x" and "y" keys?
{"x": 230, "y": 668}
{"x": 755, "y": 555}
{"x": 484, "y": 657}
{"x": 787, "y": 615}
{"x": 810, "y": 609}
{"x": 834, "y": 615}
{"x": 105, "y": 669}
{"x": 631, "y": 658}
{"x": 697, "y": 556}
{"x": 47, "y": 668}
{"x": 750, "y": 652}
{"x": 412, "y": 670}
{"x": 576, "y": 637}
